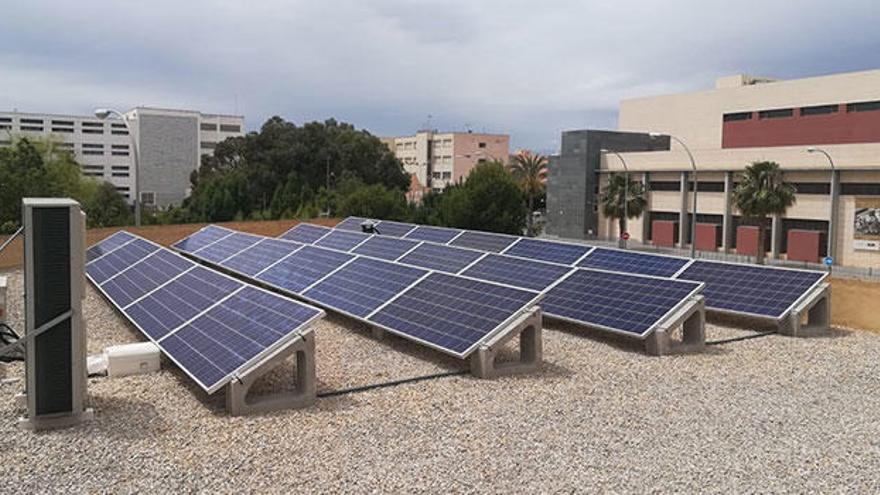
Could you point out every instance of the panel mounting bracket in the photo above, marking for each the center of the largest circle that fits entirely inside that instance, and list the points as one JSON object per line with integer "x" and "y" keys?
{"x": 816, "y": 305}
{"x": 691, "y": 317}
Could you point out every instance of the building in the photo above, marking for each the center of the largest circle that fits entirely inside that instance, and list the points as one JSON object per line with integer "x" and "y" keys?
{"x": 437, "y": 159}
{"x": 170, "y": 145}
{"x": 742, "y": 120}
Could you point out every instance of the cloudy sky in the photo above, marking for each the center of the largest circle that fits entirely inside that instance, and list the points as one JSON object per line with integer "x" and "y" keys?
{"x": 528, "y": 68}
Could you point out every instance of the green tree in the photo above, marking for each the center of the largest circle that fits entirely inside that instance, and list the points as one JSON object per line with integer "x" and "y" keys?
{"x": 611, "y": 200}
{"x": 762, "y": 191}
{"x": 373, "y": 201}
{"x": 107, "y": 208}
{"x": 490, "y": 199}
{"x": 530, "y": 171}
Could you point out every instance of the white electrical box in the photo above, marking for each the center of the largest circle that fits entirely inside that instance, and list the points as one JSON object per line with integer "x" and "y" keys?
{"x": 132, "y": 359}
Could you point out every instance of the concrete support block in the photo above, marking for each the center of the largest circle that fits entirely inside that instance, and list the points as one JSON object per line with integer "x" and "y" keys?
{"x": 377, "y": 333}
{"x": 815, "y": 308}
{"x": 531, "y": 351}
{"x": 53, "y": 421}
{"x": 691, "y": 318}
{"x": 304, "y": 395}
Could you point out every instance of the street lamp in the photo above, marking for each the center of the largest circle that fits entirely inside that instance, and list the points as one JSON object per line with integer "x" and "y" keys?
{"x": 103, "y": 114}
{"x": 694, "y": 167}
{"x": 830, "y": 241}
{"x": 625, "y": 194}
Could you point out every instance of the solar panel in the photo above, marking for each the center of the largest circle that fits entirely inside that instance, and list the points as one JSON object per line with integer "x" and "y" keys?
{"x": 441, "y": 258}
{"x": 342, "y": 240}
{"x": 305, "y": 233}
{"x": 483, "y": 241}
{"x": 633, "y": 262}
{"x": 303, "y": 268}
{"x": 363, "y": 285}
{"x": 439, "y": 235}
{"x": 108, "y": 244}
{"x": 753, "y": 290}
{"x": 141, "y": 278}
{"x": 260, "y": 256}
{"x": 227, "y": 247}
{"x": 351, "y": 223}
{"x": 394, "y": 229}
{"x": 121, "y": 258}
{"x": 386, "y": 248}
{"x": 201, "y": 238}
{"x": 618, "y": 302}
{"x": 234, "y": 334}
{"x": 452, "y": 314}
{"x": 554, "y": 252}
{"x": 527, "y": 274}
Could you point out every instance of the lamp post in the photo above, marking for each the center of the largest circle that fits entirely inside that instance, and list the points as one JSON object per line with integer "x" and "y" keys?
{"x": 831, "y": 233}
{"x": 694, "y": 167}
{"x": 103, "y": 114}
{"x": 625, "y": 195}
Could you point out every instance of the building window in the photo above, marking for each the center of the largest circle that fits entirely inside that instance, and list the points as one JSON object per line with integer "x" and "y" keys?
{"x": 119, "y": 132}
{"x": 5, "y": 126}
{"x": 818, "y": 110}
{"x": 5, "y": 119}
{"x": 31, "y": 121}
{"x": 67, "y": 146}
{"x": 92, "y": 149}
{"x": 733, "y": 117}
{"x": 93, "y": 128}
{"x": 482, "y": 145}
{"x": 812, "y": 187}
{"x": 32, "y": 128}
{"x": 208, "y": 145}
{"x": 119, "y": 174}
{"x": 63, "y": 122}
{"x": 447, "y": 175}
{"x": 865, "y": 106}
{"x": 119, "y": 153}
{"x": 666, "y": 185}
{"x": 68, "y": 130}
{"x": 208, "y": 127}
{"x": 230, "y": 128}
{"x": 148, "y": 198}
{"x": 481, "y": 160}
{"x": 776, "y": 114}
{"x": 436, "y": 175}
{"x": 860, "y": 189}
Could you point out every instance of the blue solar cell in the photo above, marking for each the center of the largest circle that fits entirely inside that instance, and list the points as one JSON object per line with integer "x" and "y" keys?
{"x": 202, "y": 238}
{"x": 227, "y": 247}
{"x": 109, "y": 244}
{"x": 260, "y": 256}
{"x": 143, "y": 277}
{"x": 452, "y": 313}
{"x": 633, "y": 262}
{"x": 303, "y": 268}
{"x": 615, "y": 301}
{"x": 305, "y": 233}
{"x": 386, "y": 248}
{"x": 554, "y": 252}
{"x": 165, "y": 309}
{"x": 755, "y": 290}
{"x": 439, "y": 235}
{"x": 441, "y": 258}
{"x": 342, "y": 240}
{"x": 394, "y": 229}
{"x": 351, "y": 223}
{"x": 483, "y": 241}
{"x": 534, "y": 275}
{"x": 114, "y": 262}
{"x": 363, "y": 285}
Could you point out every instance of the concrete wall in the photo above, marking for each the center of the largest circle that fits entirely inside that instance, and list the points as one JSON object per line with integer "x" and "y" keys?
{"x": 168, "y": 153}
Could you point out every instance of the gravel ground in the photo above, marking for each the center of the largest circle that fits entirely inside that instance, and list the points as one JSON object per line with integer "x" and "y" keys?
{"x": 771, "y": 414}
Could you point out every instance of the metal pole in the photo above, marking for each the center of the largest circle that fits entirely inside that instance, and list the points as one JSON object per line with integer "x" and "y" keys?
{"x": 103, "y": 114}
{"x": 831, "y": 202}
{"x": 696, "y": 183}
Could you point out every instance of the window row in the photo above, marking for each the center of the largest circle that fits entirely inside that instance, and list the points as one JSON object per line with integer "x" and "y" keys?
{"x": 864, "y": 106}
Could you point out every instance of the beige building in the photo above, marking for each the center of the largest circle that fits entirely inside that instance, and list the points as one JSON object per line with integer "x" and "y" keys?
{"x": 438, "y": 159}
{"x": 746, "y": 119}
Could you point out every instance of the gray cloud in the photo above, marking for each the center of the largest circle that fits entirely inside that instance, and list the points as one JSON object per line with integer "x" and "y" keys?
{"x": 527, "y": 68}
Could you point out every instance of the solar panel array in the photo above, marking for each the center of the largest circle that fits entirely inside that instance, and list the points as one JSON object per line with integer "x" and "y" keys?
{"x": 211, "y": 325}
{"x": 748, "y": 295}
{"x": 363, "y": 283}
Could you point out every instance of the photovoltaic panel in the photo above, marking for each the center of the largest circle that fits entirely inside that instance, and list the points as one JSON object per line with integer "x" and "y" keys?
{"x": 554, "y": 252}
{"x": 305, "y": 233}
{"x": 754, "y": 290}
{"x": 303, "y": 268}
{"x": 227, "y": 247}
{"x": 141, "y": 278}
{"x": 394, "y": 229}
{"x": 534, "y": 275}
{"x": 483, "y": 241}
{"x": 342, "y": 240}
{"x": 234, "y": 333}
{"x": 439, "y": 235}
{"x": 633, "y": 262}
{"x": 619, "y": 302}
{"x": 452, "y": 314}
{"x": 351, "y": 223}
{"x": 201, "y": 238}
{"x": 441, "y": 258}
{"x": 260, "y": 256}
{"x": 386, "y": 248}
{"x": 115, "y": 261}
{"x": 363, "y": 285}
{"x": 108, "y": 244}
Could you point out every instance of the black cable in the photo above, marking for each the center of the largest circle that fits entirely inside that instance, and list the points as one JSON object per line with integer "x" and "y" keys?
{"x": 354, "y": 390}
{"x": 743, "y": 337}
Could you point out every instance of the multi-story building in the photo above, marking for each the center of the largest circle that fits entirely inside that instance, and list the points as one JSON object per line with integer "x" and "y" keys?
{"x": 742, "y": 120}
{"x": 169, "y": 146}
{"x": 438, "y": 159}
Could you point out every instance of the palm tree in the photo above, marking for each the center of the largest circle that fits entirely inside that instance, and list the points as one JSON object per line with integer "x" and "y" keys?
{"x": 612, "y": 200}
{"x": 762, "y": 191}
{"x": 530, "y": 172}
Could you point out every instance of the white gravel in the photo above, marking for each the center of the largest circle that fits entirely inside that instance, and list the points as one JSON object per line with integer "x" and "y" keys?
{"x": 772, "y": 414}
